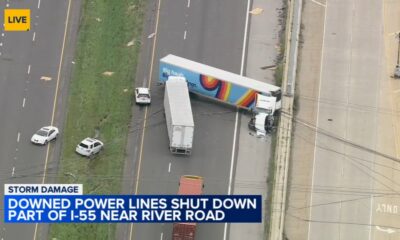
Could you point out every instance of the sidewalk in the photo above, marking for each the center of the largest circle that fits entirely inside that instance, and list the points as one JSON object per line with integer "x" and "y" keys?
{"x": 254, "y": 153}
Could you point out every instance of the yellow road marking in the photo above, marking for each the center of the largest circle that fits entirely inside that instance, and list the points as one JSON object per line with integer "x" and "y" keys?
{"x": 146, "y": 110}
{"x": 55, "y": 100}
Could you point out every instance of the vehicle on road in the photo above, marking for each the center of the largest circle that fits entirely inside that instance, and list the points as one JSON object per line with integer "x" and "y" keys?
{"x": 261, "y": 99}
{"x": 188, "y": 185}
{"x": 178, "y": 115}
{"x": 45, "y": 135}
{"x": 218, "y": 84}
{"x": 142, "y": 95}
{"x": 263, "y": 120}
{"x": 89, "y": 147}
{"x": 262, "y": 124}
{"x": 397, "y": 71}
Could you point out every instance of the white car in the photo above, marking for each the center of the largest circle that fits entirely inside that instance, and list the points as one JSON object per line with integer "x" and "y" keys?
{"x": 45, "y": 135}
{"x": 89, "y": 147}
{"x": 142, "y": 95}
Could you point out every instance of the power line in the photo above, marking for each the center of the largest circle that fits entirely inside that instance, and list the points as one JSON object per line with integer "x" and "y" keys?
{"x": 341, "y": 222}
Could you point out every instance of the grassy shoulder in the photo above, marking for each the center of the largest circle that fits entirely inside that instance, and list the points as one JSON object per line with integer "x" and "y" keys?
{"x": 99, "y": 103}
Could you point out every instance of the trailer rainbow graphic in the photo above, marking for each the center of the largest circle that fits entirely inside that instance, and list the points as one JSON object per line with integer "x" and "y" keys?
{"x": 224, "y": 90}
{"x": 210, "y": 84}
{"x": 248, "y": 99}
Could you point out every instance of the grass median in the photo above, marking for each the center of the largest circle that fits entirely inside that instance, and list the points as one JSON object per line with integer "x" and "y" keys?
{"x": 99, "y": 103}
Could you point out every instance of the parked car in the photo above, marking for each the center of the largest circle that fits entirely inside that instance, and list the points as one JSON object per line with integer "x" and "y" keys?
{"x": 45, "y": 135}
{"x": 89, "y": 147}
{"x": 142, "y": 95}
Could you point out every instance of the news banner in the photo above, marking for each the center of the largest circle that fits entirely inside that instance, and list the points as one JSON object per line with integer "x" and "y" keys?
{"x": 64, "y": 203}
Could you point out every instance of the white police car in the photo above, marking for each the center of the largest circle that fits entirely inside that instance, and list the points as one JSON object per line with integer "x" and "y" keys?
{"x": 142, "y": 95}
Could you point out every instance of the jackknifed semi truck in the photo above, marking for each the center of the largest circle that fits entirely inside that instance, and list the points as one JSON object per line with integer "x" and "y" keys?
{"x": 188, "y": 185}
{"x": 218, "y": 84}
{"x": 178, "y": 115}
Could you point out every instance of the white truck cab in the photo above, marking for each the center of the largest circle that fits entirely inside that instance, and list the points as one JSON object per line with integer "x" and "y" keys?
{"x": 265, "y": 104}
{"x": 263, "y": 120}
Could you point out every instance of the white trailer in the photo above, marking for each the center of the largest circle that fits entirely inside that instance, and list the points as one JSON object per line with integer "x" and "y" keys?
{"x": 218, "y": 84}
{"x": 179, "y": 117}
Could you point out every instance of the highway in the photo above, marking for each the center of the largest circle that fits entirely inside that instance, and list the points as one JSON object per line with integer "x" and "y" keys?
{"x": 386, "y": 214}
{"x": 348, "y": 120}
{"x": 27, "y": 102}
{"x": 199, "y": 31}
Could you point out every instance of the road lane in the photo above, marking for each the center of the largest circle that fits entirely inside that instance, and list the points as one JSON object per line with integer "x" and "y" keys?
{"x": 16, "y": 49}
{"x": 386, "y": 211}
{"x": 215, "y": 39}
{"x": 26, "y": 58}
{"x": 352, "y": 63}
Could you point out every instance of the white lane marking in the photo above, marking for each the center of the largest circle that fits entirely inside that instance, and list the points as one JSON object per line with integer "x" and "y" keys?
{"x": 169, "y": 167}
{"x": 2, "y": 34}
{"x": 23, "y": 103}
{"x": 245, "y": 38}
{"x": 34, "y": 36}
{"x": 162, "y": 235}
{"x": 237, "y": 112}
{"x": 7, "y": 5}
{"x": 317, "y": 123}
{"x": 45, "y": 78}
{"x": 387, "y": 230}
{"x": 188, "y": 3}
{"x": 12, "y": 174}
{"x": 371, "y": 201}
{"x": 184, "y": 35}
{"x": 18, "y": 136}
{"x": 38, "y": 5}
{"x": 29, "y": 69}
{"x": 1, "y": 44}
{"x": 233, "y": 155}
{"x": 316, "y": 2}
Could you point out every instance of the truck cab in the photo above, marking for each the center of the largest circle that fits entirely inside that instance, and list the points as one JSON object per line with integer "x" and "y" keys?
{"x": 265, "y": 104}
{"x": 262, "y": 121}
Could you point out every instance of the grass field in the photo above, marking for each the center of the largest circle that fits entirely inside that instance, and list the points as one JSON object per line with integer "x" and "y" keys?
{"x": 99, "y": 104}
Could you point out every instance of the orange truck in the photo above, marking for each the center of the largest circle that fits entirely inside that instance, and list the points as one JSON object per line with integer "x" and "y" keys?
{"x": 188, "y": 185}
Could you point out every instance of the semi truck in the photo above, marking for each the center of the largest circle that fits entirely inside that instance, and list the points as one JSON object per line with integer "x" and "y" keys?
{"x": 188, "y": 185}
{"x": 178, "y": 115}
{"x": 263, "y": 121}
{"x": 218, "y": 84}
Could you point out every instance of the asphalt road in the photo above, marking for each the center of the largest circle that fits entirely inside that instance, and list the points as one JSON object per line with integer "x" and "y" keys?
{"x": 210, "y": 32}
{"x": 348, "y": 99}
{"x": 26, "y": 101}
